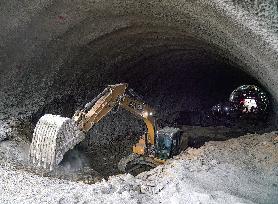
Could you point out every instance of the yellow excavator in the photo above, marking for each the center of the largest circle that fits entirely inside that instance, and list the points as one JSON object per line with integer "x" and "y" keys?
{"x": 55, "y": 135}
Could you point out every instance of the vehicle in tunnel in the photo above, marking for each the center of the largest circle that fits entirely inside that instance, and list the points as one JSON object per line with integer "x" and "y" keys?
{"x": 250, "y": 99}
{"x": 245, "y": 102}
{"x": 55, "y": 135}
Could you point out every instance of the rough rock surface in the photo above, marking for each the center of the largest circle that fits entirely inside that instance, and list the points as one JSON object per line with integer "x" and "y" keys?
{"x": 65, "y": 52}
{"x": 4, "y": 130}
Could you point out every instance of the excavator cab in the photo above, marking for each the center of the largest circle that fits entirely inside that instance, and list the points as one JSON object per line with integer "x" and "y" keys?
{"x": 168, "y": 143}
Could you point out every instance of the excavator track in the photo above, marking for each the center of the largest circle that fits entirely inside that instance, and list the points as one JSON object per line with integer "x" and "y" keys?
{"x": 52, "y": 138}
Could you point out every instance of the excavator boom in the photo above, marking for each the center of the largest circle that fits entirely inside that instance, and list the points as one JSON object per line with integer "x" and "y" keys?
{"x": 99, "y": 107}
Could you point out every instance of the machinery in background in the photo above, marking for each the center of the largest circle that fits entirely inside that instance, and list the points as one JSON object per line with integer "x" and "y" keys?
{"x": 55, "y": 135}
{"x": 245, "y": 101}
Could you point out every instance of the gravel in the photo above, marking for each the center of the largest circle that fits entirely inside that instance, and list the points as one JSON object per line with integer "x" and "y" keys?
{"x": 239, "y": 170}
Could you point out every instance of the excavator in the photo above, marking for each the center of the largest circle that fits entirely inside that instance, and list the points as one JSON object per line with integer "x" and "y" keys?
{"x": 54, "y": 135}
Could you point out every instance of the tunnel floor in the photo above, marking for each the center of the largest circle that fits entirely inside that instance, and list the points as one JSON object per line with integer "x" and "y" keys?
{"x": 104, "y": 158}
{"x": 91, "y": 161}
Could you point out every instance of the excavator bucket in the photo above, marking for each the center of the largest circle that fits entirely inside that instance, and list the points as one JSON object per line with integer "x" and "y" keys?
{"x": 52, "y": 138}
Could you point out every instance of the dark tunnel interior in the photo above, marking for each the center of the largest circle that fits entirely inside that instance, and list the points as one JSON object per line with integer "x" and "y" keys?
{"x": 181, "y": 78}
{"x": 181, "y": 82}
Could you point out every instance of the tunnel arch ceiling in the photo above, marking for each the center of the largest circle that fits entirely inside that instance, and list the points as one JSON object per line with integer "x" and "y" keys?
{"x": 152, "y": 59}
{"x": 155, "y": 28}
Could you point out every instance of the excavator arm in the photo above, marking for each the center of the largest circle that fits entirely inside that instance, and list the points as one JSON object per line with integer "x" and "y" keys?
{"x": 141, "y": 110}
{"x": 111, "y": 97}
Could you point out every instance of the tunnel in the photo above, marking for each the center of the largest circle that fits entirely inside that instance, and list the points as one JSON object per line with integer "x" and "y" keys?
{"x": 180, "y": 58}
{"x": 179, "y": 75}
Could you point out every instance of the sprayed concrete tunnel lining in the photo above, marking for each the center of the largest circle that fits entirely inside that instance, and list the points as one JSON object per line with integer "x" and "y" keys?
{"x": 65, "y": 54}
{"x": 39, "y": 49}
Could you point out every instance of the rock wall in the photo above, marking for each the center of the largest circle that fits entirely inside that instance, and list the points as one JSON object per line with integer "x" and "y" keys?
{"x": 69, "y": 50}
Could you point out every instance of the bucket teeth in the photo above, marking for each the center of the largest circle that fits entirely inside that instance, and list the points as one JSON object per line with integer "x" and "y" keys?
{"x": 52, "y": 138}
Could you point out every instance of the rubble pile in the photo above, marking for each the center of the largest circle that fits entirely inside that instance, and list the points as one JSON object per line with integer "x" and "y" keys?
{"x": 239, "y": 170}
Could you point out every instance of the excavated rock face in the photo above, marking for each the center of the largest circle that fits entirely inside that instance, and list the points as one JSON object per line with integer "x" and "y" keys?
{"x": 182, "y": 56}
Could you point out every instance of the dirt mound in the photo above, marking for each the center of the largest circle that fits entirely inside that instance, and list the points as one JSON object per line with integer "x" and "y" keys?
{"x": 239, "y": 170}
